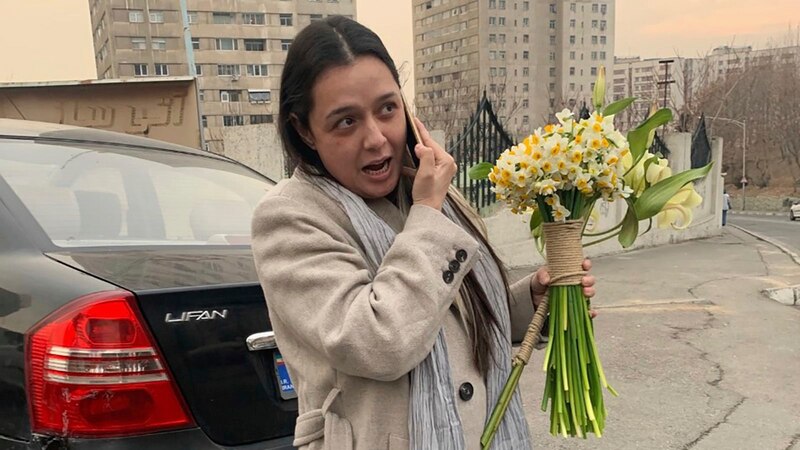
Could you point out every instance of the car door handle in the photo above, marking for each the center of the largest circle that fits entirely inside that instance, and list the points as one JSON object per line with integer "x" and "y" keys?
{"x": 261, "y": 341}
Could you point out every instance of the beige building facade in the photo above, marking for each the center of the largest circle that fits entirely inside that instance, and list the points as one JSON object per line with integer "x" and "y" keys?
{"x": 531, "y": 57}
{"x": 238, "y": 47}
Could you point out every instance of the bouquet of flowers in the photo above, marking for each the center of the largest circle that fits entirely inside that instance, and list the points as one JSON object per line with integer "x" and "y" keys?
{"x": 556, "y": 175}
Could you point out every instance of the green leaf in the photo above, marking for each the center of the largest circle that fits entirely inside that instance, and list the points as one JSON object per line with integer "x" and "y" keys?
{"x": 536, "y": 220}
{"x": 618, "y": 106}
{"x": 480, "y": 171}
{"x": 653, "y": 199}
{"x": 637, "y": 138}
{"x": 630, "y": 227}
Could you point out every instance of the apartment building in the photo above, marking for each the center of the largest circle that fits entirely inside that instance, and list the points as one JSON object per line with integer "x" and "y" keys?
{"x": 238, "y": 48}
{"x": 675, "y": 82}
{"x": 531, "y": 57}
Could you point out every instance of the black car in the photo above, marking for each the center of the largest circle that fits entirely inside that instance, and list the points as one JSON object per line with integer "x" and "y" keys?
{"x": 131, "y": 316}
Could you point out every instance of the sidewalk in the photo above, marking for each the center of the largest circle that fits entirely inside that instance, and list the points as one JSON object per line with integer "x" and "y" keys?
{"x": 700, "y": 357}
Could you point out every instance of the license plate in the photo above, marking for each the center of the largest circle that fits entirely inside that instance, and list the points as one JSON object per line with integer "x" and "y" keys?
{"x": 282, "y": 375}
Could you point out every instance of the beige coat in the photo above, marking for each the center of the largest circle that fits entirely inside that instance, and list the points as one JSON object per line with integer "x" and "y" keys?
{"x": 349, "y": 337}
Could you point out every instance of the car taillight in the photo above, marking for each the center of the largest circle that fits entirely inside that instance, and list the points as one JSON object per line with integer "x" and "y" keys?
{"x": 94, "y": 370}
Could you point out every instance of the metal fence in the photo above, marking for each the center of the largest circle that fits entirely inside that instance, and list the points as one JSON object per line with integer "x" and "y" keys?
{"x": 482, "y": 139}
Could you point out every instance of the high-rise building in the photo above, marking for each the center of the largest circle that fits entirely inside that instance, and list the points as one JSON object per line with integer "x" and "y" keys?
{"x": 531, "y": 57}
{"x": 676, "y": 82}
{"x": 239, "y": 48}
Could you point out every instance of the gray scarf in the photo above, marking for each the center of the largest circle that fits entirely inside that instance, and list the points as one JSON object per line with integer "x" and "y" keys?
{"x": 433, "y": 419}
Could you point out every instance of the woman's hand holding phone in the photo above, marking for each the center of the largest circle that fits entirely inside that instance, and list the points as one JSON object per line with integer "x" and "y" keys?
{"x": 434, "y": 173}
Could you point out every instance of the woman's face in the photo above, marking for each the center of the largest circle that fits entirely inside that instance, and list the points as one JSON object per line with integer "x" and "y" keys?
{"x": 358, "y": 127}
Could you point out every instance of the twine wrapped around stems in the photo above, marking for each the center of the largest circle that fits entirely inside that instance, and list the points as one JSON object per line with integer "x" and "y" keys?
{"x": 564, "y": 254}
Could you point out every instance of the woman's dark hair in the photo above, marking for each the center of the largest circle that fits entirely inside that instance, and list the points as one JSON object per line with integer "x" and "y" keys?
{"x": 337, "y": 41}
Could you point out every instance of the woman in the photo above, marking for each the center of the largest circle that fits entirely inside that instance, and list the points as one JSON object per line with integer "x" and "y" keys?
{"x": 390, "y": 309}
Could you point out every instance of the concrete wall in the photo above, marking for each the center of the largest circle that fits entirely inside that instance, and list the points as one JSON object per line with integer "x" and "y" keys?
{"x": 257, "y": 146}
{"x": 510, "y": 235}
{"x": 160, "y": 109}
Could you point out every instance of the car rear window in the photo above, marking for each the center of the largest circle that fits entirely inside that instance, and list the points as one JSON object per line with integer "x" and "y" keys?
{"x": 87, "y": 195}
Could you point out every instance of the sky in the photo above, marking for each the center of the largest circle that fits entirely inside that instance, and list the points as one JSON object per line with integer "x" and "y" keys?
{"x": 51, "y": 39}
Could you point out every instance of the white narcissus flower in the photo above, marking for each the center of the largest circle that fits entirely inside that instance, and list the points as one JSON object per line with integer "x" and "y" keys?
{"x": 677, "y": 212}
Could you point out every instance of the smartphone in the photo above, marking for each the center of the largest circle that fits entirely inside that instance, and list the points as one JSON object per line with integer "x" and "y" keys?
{"x": 412, "y": 133}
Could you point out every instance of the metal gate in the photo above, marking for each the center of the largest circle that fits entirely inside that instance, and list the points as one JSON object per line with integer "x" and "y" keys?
{"x": 483, "y": 139}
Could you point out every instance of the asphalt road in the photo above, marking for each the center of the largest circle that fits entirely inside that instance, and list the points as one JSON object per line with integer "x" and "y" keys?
{"x": 775, "y": 227}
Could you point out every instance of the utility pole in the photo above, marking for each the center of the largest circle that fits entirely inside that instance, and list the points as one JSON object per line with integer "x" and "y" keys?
{"x": 666, "y": 82}
{"x": 187, "y": 43}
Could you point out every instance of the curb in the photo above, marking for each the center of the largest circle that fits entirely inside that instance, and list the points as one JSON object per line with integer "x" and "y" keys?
{"x": 795, "y": 257}
{"x": 757, "y": 213}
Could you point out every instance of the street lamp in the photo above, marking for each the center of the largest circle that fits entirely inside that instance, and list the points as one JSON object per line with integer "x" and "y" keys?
{"x": 743, "y": 124}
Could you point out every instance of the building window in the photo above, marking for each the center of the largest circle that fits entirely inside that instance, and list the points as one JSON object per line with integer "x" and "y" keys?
{"x": 315, "y": 17}
{"x": 572, "y": 71}
{"x": 162, "y": 70}
{"x": 525, "y": 22}
{"x": 526, "y": 54}
{"x": 192, "y": 16}
{"x": 227, "y": 44}
{"x": 572, "y": 87}
{"x": 526, "y": 6}
{"x": 492, "y": 4}
{"x": 256, "y": 119}
{"x": 602, "y": 40}
{"x": 572, "y": 56}
{"x": 257, "y": 70}
{"x": 525, "y": 71}
{"x": 525, "y": 87}
{"x": 158, "y": 44}
{"x": 572, "y": 7}
{"x": 255, "y": 45}
{"x": 227, "y": 69}
{"x": 594, "y": 56}
{"x": 501, "y": 54}
{"x": 552, "y": 24}
{"x": 525, "y": 103}
{"x": 552, "y": 56}
{"x": 232, "y": 121}
{"x": 594, "y": 71}
{"x": 259, "y": 96}
{"x": 285, "y": 44}
{"x": 552, "y": 39}
{"x": 525, "y": 38}
{"x": 220, "y": 18}
{"x": 603, "y": 9}
{"x": 140, "y": 70}
{"x": 602, "y": 25}
{"x": 553, "y": 8}
{"x": 198, "y": 70}
{"x": 136, "y": 16}
{"x": 552, "y": 71}
{"x": 253, "y": 19}
{"x": 603, "y": 55}
{"x": 492, "y": 38}
{"x": 139, "y": 43}
{"x": 492, "y": 21}
{"x": 286, "y": 20}
{"x": 156, "y": 16}
{"x": 228, "y": 96}
{"x": 205, "y": 121}
{"x": 572, "y": 39}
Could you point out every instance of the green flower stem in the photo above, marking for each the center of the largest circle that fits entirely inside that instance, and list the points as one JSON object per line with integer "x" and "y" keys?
{"x": 617, "y": 227}
{"x": 502, "y": 405}
{"x": 575, "y": 378}
{"x": 612, "y": 236}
